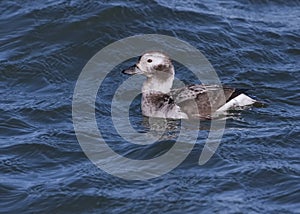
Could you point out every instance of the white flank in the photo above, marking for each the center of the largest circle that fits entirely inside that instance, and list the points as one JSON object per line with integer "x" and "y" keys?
{"x": 239, "y": 101}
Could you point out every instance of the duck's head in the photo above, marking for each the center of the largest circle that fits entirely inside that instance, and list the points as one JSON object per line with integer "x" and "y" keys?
{"x": 152, "y": 65}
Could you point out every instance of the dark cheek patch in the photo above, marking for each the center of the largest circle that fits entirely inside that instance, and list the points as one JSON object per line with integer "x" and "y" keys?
{"x": 161, "y": 67}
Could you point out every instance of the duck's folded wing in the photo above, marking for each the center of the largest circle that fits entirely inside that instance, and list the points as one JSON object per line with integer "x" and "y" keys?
{"x": 203, "y": 99}
{"x": 186, "y": 93}
{"x": 193, "y": 91}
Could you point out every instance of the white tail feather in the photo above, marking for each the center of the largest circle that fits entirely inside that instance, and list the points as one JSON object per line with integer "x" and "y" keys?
{"x": 239, "y": 101}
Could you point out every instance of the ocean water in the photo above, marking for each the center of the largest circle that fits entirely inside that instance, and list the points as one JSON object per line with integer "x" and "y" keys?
{"x": 44, "y": 46}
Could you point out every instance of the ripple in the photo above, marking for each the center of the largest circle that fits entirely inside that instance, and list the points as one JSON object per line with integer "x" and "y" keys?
{"x": 44, "y": 46}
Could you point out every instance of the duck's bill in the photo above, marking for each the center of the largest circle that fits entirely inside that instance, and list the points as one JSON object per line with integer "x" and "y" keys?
{"x": 132, "y": 70}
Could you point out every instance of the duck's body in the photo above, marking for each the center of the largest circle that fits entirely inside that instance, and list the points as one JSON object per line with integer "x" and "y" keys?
{"x": 193, "y": 101}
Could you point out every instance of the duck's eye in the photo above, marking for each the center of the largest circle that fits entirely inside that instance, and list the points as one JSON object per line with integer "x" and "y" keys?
{"x": 149, "y": 60}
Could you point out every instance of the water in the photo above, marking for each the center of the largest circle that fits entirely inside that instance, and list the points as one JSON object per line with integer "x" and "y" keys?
{"x": 45, "y": 44}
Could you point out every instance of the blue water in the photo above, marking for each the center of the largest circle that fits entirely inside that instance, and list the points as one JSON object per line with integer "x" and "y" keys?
{"x": 45, "y": 44}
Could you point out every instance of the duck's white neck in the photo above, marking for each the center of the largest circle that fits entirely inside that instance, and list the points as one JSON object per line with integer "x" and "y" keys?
{"x": 156, "y": 84}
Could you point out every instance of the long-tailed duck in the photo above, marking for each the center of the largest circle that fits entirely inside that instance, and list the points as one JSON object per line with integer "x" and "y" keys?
{"x": 193, "y": 101}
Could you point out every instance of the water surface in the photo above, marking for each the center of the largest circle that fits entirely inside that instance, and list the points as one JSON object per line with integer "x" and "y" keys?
{"x": 45, "y": 44}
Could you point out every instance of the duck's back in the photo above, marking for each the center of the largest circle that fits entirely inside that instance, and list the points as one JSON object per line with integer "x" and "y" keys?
{"x": 202, "y": 101}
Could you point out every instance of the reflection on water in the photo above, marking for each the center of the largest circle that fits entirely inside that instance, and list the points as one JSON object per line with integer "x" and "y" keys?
{"x": 43, "y": 48}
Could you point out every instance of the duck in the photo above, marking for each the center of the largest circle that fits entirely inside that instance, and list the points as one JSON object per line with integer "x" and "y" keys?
{"x": 160, "y": 100}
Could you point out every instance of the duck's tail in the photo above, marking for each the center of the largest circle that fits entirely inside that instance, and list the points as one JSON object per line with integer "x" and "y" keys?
{"x": 238, "y": 101}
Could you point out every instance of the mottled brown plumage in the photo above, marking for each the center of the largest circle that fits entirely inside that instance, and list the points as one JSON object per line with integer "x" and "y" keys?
{"x": 193, "y": 101}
